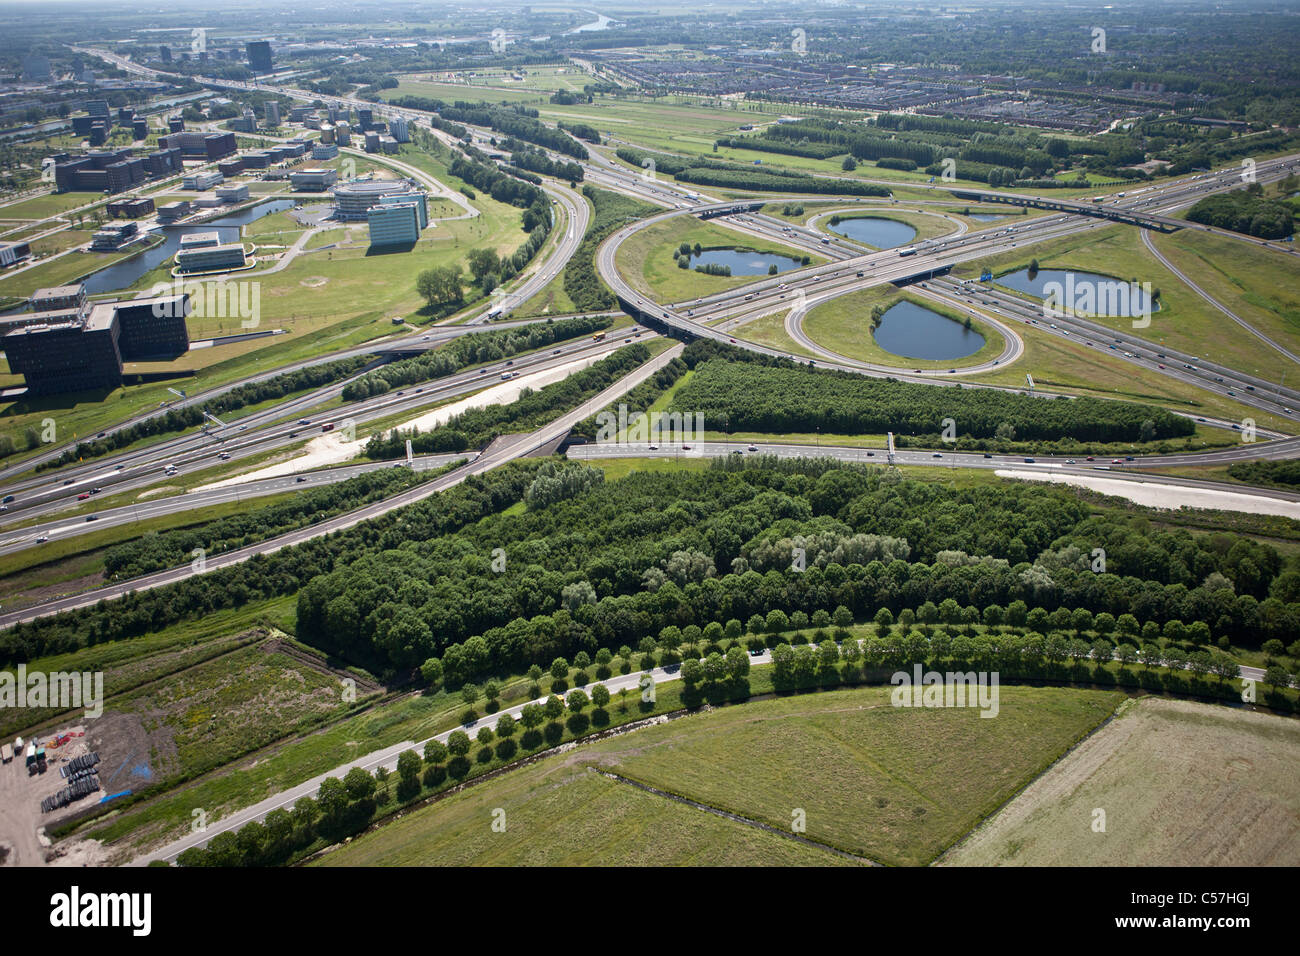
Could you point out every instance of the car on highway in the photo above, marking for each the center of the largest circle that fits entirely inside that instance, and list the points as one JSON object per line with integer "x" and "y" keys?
{"x": 753, "y": 448}
{"x": 83, "y": 496}
{"x": 1069, "y": 461}
{"x": 557, "y": 351}
{"x": 987, "y": 455}
{"x": 937, "y": 455}
{"x": 304, "y": 421}
{"x": 1029, "y": 461}
{"x": 300, "y": 479}
{"x": 92, "y": 517}
{"x": 1116, "y": 461}
{"x": 7, "y": 499}
{"x": 224, "y": 456}
{"x": 42, "y": 539}
{"x": 69, "y": 481}
{"x": 654, "y": 447}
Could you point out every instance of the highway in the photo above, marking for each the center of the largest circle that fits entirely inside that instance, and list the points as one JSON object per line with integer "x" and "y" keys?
{"x": 498, "y": 453}
{"x": 272, "y": 429}
{"x": 850, "y": 269}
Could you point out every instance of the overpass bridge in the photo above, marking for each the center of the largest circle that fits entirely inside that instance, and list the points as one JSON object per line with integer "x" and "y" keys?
{"x": 1096, "y": 210}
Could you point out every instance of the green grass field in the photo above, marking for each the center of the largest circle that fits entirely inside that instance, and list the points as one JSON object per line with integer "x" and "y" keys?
{"x": 1185, "y": 321}
{"x": 843, "y": 325}
{"x": 646, "y": 259}
{"x": 896, "y": 785}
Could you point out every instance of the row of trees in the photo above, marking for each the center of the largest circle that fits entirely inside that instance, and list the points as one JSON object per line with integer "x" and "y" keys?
{"x": 472, "y": 349}
{"x": 476, "y": 427}
{"x": 344, "y": 807}
{"x": 168, "y": 549}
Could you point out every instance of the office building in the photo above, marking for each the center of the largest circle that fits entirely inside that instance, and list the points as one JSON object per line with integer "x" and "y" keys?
{"x": 353, "y": 199}
{"x": 74, "y": 348}
{"x": 298, "y": 113}
{"x": 233, "y": 192}
{"x": 113, "y": 236}
{"x": 59, "y": 298}
{"x": 272, "y": 109}
{"x": 230, "y": 167}
{"x": 365, "y": 117}
{"x": 164, "y": 162}
{"x": 165, "y": 54}
{"x": 259, "y": 56}
{"x": 173, "y": 212}
{"x": 140, "y": 128}
{"x": 399, "y": 130}
{"x": 312, "y": 180}
{"x": 210, "y": 146}
{"x": 372, "y": 142}
{"x": 176, "y": 124}
{"x": 325, "y": 151}
{"x": 130, "y": 208}
{"x": 247, "y": 122}
{"x": 343, "y": 135}
{"x": 388, "y": 145}
{"x": 36, "y": 69}
{"x": 152, "y": 328}
{"x": 202, "y": 180}
{"x": 209, "y": 257}
{"x": 11, "y": 252}
{"x": 397, "y": 220}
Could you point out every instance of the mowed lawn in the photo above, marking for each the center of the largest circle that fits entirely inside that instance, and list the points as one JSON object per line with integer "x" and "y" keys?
{"x": 895, "y": 785}
{"x": 1181, "y": 784}
{"x": 646, "y": 259}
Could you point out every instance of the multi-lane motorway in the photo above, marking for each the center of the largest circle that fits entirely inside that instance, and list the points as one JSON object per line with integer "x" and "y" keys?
{"x": 847, "y": 268}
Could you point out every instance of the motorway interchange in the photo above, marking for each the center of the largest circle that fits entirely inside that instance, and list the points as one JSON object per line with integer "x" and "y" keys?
{"x": 41, "y": 500}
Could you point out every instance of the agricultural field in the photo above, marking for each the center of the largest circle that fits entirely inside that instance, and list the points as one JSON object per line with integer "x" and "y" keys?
{"x": 1180, "y": 784}
{"x": 893, "y": 785}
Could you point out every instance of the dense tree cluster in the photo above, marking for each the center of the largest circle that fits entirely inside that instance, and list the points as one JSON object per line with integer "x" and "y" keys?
{"x": 581, "y": 282}
{"x": 1283, "y": 472}
{"x": 538, "y": 162}
{"x": 1245, "y": 211}
{"x": 265, "y": 576}
{"x": 679, "y": 549}
{"x": 636, "y": 401}
{"x": 501, "y": 186}
{"x": 755, "y": 393}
